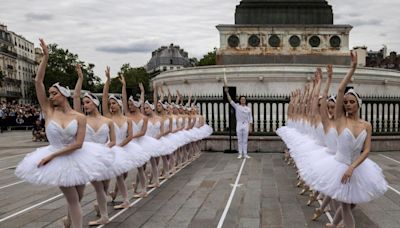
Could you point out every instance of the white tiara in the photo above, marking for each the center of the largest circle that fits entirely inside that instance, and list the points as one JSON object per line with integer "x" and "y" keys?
{"x": 63, "y": 90}
{"x": 150, "y": 105}
{"x": 135, "y": 103}
{"x": 353, "y": 92}
{"x": 116, "y": 99}
{"x": 93, "y": 98}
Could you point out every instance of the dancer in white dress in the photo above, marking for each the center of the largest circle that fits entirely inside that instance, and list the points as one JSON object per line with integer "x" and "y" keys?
{"x": 349, "y": 176}
{"x": 112, "y": 108}
{"x": 67, "y": 162}
{"x": 99, "y": 130}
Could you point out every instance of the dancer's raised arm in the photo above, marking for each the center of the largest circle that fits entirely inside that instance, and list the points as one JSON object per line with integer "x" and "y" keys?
{"x": 342, "y": 86}
{"x": 317, "y": 90}
{"x": 104, "y": 106}
{"x": 169, "y": 97}
{"x": 141, "y": 87}
{"x": 78, "y": 87}
{"x": 124, "y": 95}
{"x": 39, "y": 86}
{"x": 323, "y": 109}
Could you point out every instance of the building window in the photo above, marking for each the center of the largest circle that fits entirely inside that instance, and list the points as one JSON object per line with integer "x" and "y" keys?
{"x": 171, "y": 68}
{"x": 170, "y": 61}
{"x": 164, "y": 68}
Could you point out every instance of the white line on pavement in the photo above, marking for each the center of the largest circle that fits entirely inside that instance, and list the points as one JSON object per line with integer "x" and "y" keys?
{"x": 139, "y": 199}
{"x": 11, "y": 167}
{"x": 30, "y": 208}
{"x": 228, "y": 204}
{"x": 9, "y": 185}
{"x": 5, "y": 158}
{"x": 389, "y": 158}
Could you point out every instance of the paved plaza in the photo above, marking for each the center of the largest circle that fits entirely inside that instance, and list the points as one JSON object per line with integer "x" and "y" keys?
{"x": 196, "y": 196}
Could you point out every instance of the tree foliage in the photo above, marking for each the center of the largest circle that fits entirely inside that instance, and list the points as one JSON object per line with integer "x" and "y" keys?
{"x": 208, "y": 59}
{"x": 61, "y": 68}
{"x": 133, "y": 77}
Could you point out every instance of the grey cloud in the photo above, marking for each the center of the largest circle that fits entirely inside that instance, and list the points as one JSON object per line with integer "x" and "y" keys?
{"x": 39, "y": 16}
{"x": 364, "y": 22}
{"x": 132, "y": 47}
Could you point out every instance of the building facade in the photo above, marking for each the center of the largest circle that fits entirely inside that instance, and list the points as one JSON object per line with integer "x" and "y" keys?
{"x": 26, "y": 65}
{"x": 283, "y": 32}
{"x": 10, "y": 89}
{"x": 18, "y": 67}
{"x": 168, "y": 58}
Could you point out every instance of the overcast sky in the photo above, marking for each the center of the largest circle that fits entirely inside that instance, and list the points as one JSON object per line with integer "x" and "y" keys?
{"x": 113, "y": 32}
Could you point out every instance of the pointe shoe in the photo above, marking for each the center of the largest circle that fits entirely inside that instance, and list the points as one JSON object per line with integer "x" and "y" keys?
{"x": 162, "y": 177}
{"x": 299, "y": 184}
{"x": 66, "y": 222}
{"x": 312, "y": 199}
{"x": 113, "y": 196}
{"x": 155, "y": 185}
{"x": 141, "y": 195}
{"x": 97, "y": 210}
{"x": 122, "y": 206}
{"x": 330, "y": 225}
{"x": 99, "y": 222}
{"x": 303, "y": 191}
{"x": 317, "y": 213}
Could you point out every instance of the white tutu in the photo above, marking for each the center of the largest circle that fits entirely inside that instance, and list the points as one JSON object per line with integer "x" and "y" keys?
{"x": 367, "y": 182}
{"x": 123, "y": 161}
{"x": 170, "y": 145}
{"x": 77, "y": 168}
{"x": 137, "y": 153}
{"x": 150, "y": 145}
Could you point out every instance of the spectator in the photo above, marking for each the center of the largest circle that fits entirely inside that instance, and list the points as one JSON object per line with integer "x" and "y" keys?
{"x": 38, "y": 132}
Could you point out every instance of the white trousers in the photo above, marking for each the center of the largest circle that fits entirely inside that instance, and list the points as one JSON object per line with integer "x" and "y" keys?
{"x": 242, "y": 132}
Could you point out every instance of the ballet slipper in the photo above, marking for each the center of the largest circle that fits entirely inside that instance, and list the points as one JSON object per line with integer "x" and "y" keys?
{"x": 311, "y": 200}
{"x": 162, "y": 177}
{"x": 112, "y": 195}
{"x": 66, "y": 222}
{"x": 99, "y": 222}
{"x": 155, "y": 185}
{"x": 305, "y": 189}
{"x": 330, "y": 225}
{"x": 122, "y": 206}
{"x": 141, "y": 195}
{"x": 97, "y": 210}
{"x": 299, "y": 184}
{"x": 317, "y": 213}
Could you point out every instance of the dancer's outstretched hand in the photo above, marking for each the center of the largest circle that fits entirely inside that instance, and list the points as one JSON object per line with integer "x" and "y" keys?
{"x": 108, "y": 73}
{"x": 121, "y": 78}
{"x": 45, "y": 160}
{"x": 78, "y": 69}
{"x": 354, "y": 59}
{"x": 44, "y": 47}
{"x": 329, "y": 70}
{"x": 347, "y": 175}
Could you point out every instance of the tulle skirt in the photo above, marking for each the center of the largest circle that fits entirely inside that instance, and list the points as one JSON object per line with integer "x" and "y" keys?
{"x": 137, "y": 153}
{"x": 89, "y": 163}
{"x": 366, "y": 183}
{"x": 169, "y": 143}
{"x": 150, "y": 145}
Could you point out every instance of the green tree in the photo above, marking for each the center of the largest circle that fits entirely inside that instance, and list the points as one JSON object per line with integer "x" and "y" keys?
{"x": 133, "y": 77}
{"x": 208, "y": 59}
{"x": 61, "y": 68}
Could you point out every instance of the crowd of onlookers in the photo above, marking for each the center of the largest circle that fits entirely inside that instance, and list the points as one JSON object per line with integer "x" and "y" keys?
{"x": 22, "y": 116}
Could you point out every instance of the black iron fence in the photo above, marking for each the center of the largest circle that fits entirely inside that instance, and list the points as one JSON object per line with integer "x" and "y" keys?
{"x": 270, "y": 112}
